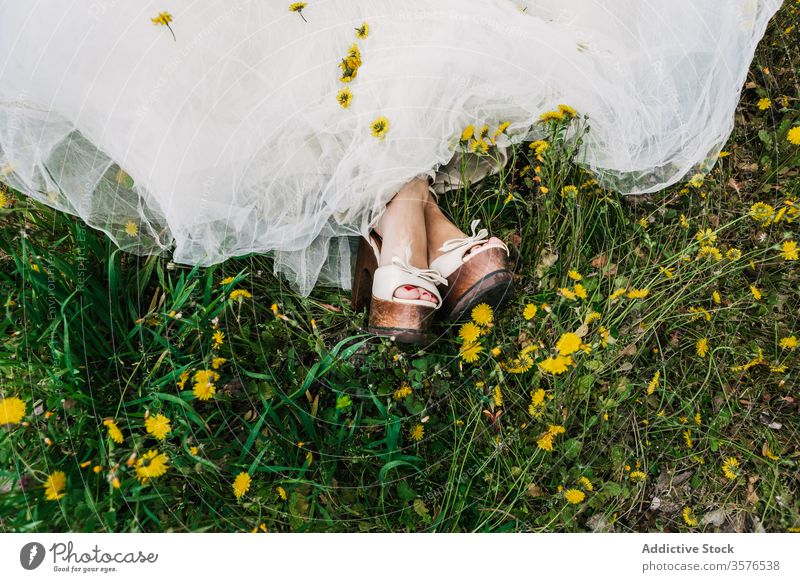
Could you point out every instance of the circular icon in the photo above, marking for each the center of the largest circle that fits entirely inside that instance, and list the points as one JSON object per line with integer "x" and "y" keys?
{"x": 31, "y": 555}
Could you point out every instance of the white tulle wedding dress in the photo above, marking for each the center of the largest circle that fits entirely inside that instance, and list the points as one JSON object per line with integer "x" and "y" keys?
{"x": 205, "y": 129}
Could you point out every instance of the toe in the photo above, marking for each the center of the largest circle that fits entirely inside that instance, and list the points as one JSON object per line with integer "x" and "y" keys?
{"x": 427, "y": 296}
{"x": 407, "y": 292}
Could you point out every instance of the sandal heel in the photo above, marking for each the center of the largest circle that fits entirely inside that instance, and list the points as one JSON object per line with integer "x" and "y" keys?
{"x": 366, "y": 263}
{"x": 485, "y": 278}
{"x": 406, "y": 323}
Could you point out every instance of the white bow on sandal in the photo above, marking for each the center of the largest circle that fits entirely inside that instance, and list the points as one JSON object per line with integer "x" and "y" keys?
{"x": 481, "y": 277}
{"x": 408, "y": 320}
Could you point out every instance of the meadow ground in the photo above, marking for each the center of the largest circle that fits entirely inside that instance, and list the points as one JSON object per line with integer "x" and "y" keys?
{"x": 644, "y": 378}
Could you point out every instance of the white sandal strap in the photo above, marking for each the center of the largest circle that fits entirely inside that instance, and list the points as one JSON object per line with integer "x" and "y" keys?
{"x": 387, "y": 279}
{"x": 455, "y": 249}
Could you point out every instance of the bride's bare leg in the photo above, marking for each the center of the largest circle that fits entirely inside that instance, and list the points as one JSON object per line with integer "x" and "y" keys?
{"x": 440, "y": 228}
{"x": 401, "y": 223}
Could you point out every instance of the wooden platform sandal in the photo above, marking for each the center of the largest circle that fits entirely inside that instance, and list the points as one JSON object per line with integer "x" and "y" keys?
{"x": 407, "y": 320}
{"x": 482, "y": 277}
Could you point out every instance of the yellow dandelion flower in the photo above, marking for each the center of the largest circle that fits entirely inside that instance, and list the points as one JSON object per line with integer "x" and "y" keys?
{"x": 794, "y": 135}
{"x": 697, "y": 181}
{"x": 701, "y": 347}
{"x": 638, "y": 293}
{"x": 706, "y": 236}
{"x": 716, "y": 297}
{"x": 298, "y": 7}
{"x": 114, "y": 433}
{"x": 580, "y": 291}
{"x": 158, "y": 426}
{"x": 557, "y": 365}
{"x": 403, "y": 391}
{"x": 151, "y": 465}
{"x": 217, "y": 361}
{"x": 575, "y": 275}
{"x": 204, "y": 387}
{"x": 789, "y": 250}
{"x": 482, "y": 314}
{"x": 567, "y": 110}
{"x": 687, "y": 436}
{"x": 569, "y": 190}
{"x": 12, "y": 410}
{"x": 733, "y": 254}
{"x": 498, "y": 396}
{"x": 764, "y": 103}
{"x": 638, "y": 476}
{"x": 684, "y": 222}
{"x": 755, "y": 292}
{"x": 163, "y": 19}
{"x": 654, "y": 382}
{"x": 241, "y": 485}
{"x": 362, "y": 32}
{"x": 479, "y": 146}
{"x": 551, "y": 116}
{"x": 380, "y": 127}
{"x": 55, "y": 486}
{"x": 700, "y": 313}
{"x": 539, "y": 146}
{"x": 545, "y": 441}
{"x": 218, "y": 338}
{"x": 568, "y": 293}
{"x": 698, "y": 419}
{"x": 417, "y": 432}
{"x": 592, "y": 317}
{"x": 586, "y": 484}
{"x": 468, "y": 132}
{"x": 469, "y": 332}
{"x": 469, "y": 352}
{"x": 501, "y": 129}
{"x": 574, "y": 496}
{"x": 786, "y": 343}
{"x": 767, "y": 452}
{"x": 536, "y": 407}
{"x": 709, "y": 251}
{"x": 530, "y": 311}
{"x": 667, "y": 272}
{"x": 568, "y": 343}
{"x": 689, "y": 517}
{"x": 604, "y": 335}
{"x": 762, "y": 212}
{"x": 182, "y": 379}
{"x": 730, "y": 468}
{"x": 344, "y": 97}
{"x": 239, "y": 294}
{"x": 131, "y": 229}
{"x": 281, "y": 493}
{"x": 617, "y": 294}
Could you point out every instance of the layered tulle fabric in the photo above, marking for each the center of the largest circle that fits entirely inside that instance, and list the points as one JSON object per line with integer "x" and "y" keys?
{"x": 231, "y": 137}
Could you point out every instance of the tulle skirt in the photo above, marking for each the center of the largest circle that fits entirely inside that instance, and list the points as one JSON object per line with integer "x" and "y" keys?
{"x": 206, "y": 129}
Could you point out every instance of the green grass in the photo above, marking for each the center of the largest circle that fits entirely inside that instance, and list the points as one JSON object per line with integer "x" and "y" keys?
{"x": 307, "y": 409}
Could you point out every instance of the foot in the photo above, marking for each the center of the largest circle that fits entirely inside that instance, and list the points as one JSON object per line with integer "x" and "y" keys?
{"x": 403, "y": 222}
{"x": 440, "y": 229}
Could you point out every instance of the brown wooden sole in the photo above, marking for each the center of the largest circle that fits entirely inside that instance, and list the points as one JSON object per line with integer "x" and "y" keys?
{"x": 405, "y": 323}
{"x": 485, "y": 278}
